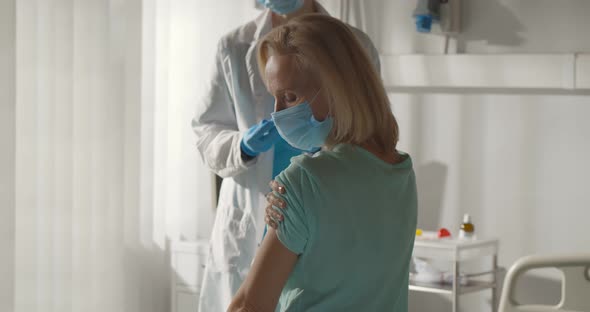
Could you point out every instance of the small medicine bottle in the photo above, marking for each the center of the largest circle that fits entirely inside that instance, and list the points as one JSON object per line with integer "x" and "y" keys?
{"x": 467, "y": 229}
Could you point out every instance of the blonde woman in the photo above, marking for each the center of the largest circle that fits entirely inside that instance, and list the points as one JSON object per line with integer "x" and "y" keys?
{"x": 345, "y": 241}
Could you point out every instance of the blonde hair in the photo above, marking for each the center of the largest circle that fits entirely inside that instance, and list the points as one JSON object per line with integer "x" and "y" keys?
{"x": 328, "y": 48}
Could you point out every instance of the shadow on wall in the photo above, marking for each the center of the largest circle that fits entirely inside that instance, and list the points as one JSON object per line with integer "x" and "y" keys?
{"x": 422, "y": 302}
{"x": 490, "y": 21}
{"x": 533, "y": 289}
{"x": 430, "y": 180}
{"x": 148, "y": 267}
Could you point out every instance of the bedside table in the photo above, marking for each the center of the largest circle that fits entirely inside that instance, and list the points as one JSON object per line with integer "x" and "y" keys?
{"x": 187, "y": 261}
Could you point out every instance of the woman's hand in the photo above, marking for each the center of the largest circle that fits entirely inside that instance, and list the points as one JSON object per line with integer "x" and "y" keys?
{"x": 272, "y": 216}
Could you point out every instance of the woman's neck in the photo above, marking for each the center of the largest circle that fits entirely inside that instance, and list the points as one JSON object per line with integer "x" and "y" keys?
{"x": 278, "y": 19}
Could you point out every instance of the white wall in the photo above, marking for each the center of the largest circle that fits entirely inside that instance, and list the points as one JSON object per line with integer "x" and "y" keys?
{"x": 515, "y": 160}
{"x": 7, "y": 147}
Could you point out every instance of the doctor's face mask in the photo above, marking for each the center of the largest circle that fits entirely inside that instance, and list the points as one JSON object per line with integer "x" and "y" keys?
{"x": 282, "y": 7}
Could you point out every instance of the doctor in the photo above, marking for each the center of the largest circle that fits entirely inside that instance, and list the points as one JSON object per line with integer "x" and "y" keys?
{"x": 238, "y": 142}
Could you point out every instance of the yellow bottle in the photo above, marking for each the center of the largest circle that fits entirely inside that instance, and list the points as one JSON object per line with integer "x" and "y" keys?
{"x": 467, "y": 230}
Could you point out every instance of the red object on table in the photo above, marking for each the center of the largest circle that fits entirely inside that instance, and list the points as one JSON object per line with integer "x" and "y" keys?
{"x": 442, "y": 232}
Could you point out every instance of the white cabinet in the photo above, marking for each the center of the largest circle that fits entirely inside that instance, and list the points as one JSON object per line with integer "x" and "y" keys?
{"x": 188, "y": 264}
{"x": 457, "y": 251}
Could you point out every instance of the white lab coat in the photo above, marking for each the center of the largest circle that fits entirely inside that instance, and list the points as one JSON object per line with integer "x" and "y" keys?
{"x": 236, "y": 100}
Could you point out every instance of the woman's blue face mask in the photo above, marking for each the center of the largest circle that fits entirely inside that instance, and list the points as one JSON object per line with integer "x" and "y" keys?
{"x": 300, "y": 129}
{"x": 282, "y": 6}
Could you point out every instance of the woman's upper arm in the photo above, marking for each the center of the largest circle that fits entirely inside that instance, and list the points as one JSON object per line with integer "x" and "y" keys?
{"x": 278, "y": 253}
{"x": 262, "y": 288}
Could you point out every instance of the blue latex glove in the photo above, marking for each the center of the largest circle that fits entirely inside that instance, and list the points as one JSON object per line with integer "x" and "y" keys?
{"x": 259, "y": 138}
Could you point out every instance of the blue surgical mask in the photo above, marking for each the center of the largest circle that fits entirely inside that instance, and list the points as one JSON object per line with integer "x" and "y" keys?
{"x": 300, "y": 129}
{"x": 282, "y": 6}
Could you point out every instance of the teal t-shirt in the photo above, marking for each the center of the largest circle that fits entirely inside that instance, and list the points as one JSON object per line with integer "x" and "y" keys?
{"x": 351, "y": 218}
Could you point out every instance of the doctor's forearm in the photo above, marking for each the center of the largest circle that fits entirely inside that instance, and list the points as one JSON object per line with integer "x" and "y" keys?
{"x": 220, "y": 150}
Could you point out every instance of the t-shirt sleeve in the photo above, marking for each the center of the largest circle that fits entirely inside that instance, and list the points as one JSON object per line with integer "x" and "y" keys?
{"x": 293, "y": 231}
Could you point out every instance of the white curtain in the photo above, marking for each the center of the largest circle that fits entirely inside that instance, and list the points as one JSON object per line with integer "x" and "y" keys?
{"x": 7, "y": 156}
{"x": 87, "y": 235}
{"x": 99, "y": 169}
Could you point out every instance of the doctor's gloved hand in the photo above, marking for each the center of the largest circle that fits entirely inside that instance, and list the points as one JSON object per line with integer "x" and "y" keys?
{"x": 273, "y": 217}
{"x": 259, "y": 138}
